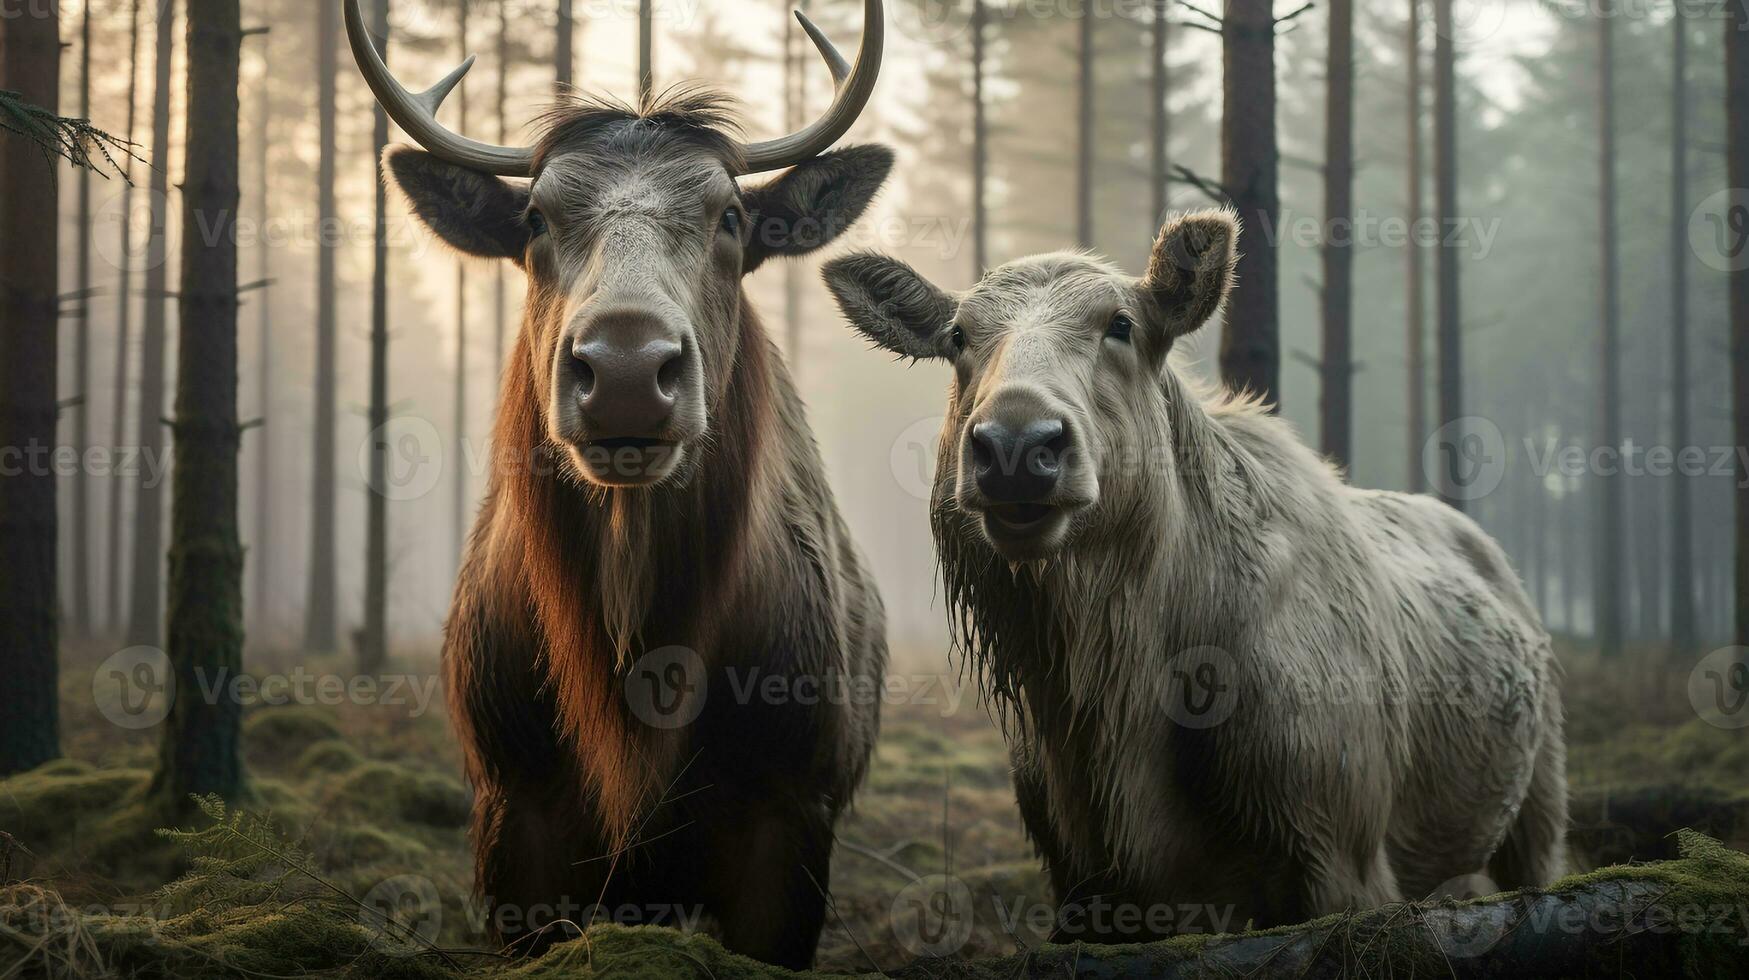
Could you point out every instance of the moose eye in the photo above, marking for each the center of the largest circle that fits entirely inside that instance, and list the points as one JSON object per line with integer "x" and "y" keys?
{"x": 957, "y": 338}
{"x": 537, "y": 223}
{"x": 732, "y": 222}
{"x": 1120, "y": 327}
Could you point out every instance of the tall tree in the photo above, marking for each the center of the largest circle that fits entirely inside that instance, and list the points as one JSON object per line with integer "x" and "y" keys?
{"x": 145, "y": 619}
{"x": 262, "y": 548}
{"x": 123, "y": 337}
{"x": 30, "y": 65}
{"x": 564, "y": 48}
{"x": 646, "y": 49}
{"x": 1447, "y": 323}
{"x": 1084, "y": 129}
{"x": 1682, "y": 632}
{"x": 1250, "y": 343}
{"x": 81, "y": 570}
{"x": 1160, "y": 128}
{"x": 199, "y": 749}
{"x": 980, "y": 145}
{"x": 500, "y": 325}
{"x": 1737, "y": 166}
{"x": 1610, "y": 525}
{"x": 459, "y": 472}
{"x": 1336, "y": 430}
{"x": 1415, "y": 295}
{"x": 375, "y": 646}
{"x": 320, "y": 625}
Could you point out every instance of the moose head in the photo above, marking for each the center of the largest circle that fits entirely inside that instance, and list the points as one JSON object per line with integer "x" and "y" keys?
{"x": 634, "y": 233}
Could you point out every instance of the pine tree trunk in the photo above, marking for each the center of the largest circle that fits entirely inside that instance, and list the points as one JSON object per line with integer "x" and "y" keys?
{"x": 145, "y": 619}
{"x": 320, "y": 626}
{"x": 1610, "y": 525}
{"x": 458, "y": 471}
{"x": 374, "y": 649}
{"x": 1084, "y": 130}
{"x": 1681, "y": 595}
{"x": 1416, "y": 292}
{"x": 1737, "y": 152}
{"x": 1448, "y": 323}
{"x": 1338, "y": 251}
{"x": 81, "y": 516}
{"x": 646, "y": 51}
{"x": 262, "y": 551}
{"x": 30, "y": 64}
{"x": 563, "y": 48}
{"x": 980, "y": 147}
{"x": 115, "y": 618}
{"x": 199, "y": 751}
{"x": 1160, "y": 132}
{"x": 500, "y": 325}
{"x": 1250, "y": 344}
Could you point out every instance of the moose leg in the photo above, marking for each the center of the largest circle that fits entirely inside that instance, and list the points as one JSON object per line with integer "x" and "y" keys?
{"x": 770, "y": 881}
{"x": 1534, "y": 852}
{"x": 533, "y": 867}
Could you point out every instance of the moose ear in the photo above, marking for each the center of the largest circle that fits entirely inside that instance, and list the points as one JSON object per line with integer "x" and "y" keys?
{"x": 475, "y": 213}
{"x": 1191, "y": 269}
{"x": 890, "y": 304}
{"x": 814, "y": 202}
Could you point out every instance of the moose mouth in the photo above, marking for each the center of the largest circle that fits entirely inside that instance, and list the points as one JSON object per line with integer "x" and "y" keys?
{"x": 1025, "y": 531}
{"x": 629, "y": 461}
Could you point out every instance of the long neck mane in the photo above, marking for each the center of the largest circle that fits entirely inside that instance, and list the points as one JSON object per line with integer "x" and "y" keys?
{"x": 613, "y": 573}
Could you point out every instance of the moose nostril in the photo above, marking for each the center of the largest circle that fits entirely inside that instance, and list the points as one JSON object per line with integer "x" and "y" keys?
{"x": 668, "y": 375}
{"x": 1047, "y": 441}
{"x": 984, "y": 439}
{"x": 585, "y": 372}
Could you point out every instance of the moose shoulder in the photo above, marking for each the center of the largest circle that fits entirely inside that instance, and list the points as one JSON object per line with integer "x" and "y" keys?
{"x": 1230, "y": 679}
{"x": 656, "y": 517}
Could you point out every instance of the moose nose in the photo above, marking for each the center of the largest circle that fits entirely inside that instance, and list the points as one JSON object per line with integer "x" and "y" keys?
{"x": 627, "y": 382}
{"x": 1018, "y": 465}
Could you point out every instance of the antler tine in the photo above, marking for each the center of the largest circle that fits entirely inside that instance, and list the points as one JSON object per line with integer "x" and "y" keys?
{"x": 433, "y": 97}
{"x": 835, "y": 62}
{"x": 855, "y": 84}
{"x": 417, "y": 113}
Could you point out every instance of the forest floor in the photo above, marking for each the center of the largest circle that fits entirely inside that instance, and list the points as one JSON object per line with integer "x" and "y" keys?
{"x": 359, "y": 798}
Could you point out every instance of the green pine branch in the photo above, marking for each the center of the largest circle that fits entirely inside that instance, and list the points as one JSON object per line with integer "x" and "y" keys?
{"x": 74, "y": 140}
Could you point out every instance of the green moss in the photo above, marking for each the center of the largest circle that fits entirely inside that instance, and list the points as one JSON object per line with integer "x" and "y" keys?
{"x": 395, "y": 792}
{"x": 331, "y": 755}
{"x": 47, "y": 805}
{"x": 272, "y": 737}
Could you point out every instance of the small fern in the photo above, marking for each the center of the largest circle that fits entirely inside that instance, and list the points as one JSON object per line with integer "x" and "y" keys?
{"x": 241, "y": 859}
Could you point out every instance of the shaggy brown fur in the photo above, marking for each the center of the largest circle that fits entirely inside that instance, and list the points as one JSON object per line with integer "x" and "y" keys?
{"x": 567, "y": 586}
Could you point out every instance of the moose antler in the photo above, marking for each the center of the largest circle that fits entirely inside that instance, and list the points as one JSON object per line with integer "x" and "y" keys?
{"x": 417, "y": 112}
